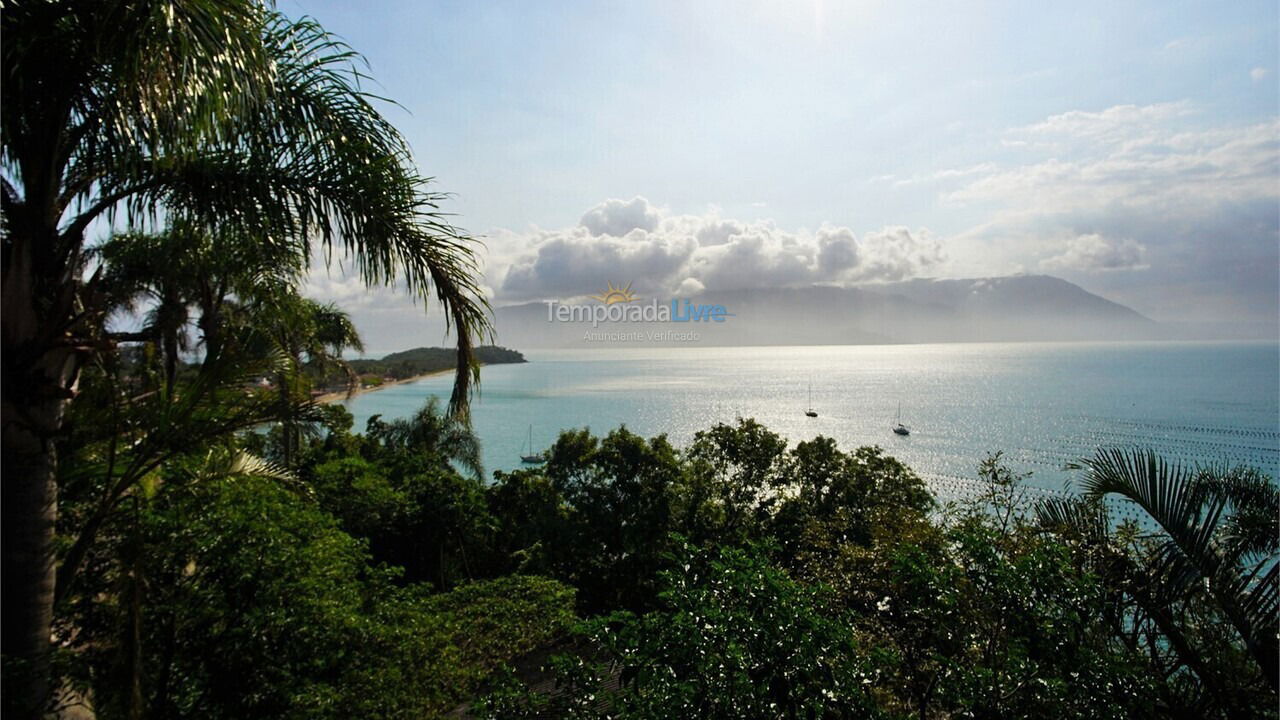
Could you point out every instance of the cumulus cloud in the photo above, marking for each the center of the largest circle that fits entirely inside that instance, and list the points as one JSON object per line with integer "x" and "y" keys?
{"x": 338, "y": 282}
{"x": 717, "y": 232}
{"x": 573, "y": 262}
{"x": 690, "y": 286}
{"x": 895, "y": 253}
{"x": 1096, "y": 253}
{"x": 688, "y": 254}
{"x": 619, "y": 217}
{"x": 1258, "y": 74}
{"x": 837, "y": 250}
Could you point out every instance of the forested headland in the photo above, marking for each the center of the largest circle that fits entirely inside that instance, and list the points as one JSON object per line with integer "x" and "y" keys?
{"x": 425, "y": 360}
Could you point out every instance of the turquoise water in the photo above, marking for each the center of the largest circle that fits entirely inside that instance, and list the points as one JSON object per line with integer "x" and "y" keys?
{"x": 1042, "y": 404}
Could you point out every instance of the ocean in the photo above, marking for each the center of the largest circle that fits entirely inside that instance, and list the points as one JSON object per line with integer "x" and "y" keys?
{"x": 1042, "y": 404}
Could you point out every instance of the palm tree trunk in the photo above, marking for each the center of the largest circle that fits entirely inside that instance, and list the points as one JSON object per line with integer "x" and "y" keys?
{"x": 30, "y": 514}
{"x": 1160, "y": 614}
{"x": 40, "y": 369}
{"x": 30, "y": 511}
{"x": 210, "y": 323}
{"x": 170, "y": 360}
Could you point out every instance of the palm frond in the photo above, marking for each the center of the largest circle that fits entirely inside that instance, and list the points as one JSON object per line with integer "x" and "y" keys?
{"x": 1190, "y": 555}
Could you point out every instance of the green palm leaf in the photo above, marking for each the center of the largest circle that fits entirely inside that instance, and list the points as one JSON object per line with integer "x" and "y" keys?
{"x": 1193, "y": 550}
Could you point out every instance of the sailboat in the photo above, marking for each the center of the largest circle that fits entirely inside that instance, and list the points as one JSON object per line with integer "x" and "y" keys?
{"x": 898, "y": 427}
{"x": 811, "y": 412}
{"x": 533, "y": 457}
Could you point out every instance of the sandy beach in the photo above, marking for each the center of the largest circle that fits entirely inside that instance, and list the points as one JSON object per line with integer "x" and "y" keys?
{"x": 340, "y": 396}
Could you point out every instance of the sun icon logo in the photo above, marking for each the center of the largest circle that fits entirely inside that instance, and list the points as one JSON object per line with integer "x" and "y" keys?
{"x": 615, "y": 295}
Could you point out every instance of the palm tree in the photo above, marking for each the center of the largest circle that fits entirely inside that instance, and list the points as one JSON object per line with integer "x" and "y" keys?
{"x": 139, "y": 266}
{"x": 1218, "y": 539}
{"x": 434, "y": 432}
{"x": 313, "y": 336}
{"x": 222, "y": 113}
{"x": 189, "y": 266}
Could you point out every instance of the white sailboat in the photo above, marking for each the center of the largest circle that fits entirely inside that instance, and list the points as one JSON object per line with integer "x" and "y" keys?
{"x": 531, "y": 457}
{"x": 898, "y": 427}
{"x": 811, "y": 412}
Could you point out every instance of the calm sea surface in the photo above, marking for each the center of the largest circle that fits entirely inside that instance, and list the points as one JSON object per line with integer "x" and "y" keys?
{"x": 1042, "y": 404}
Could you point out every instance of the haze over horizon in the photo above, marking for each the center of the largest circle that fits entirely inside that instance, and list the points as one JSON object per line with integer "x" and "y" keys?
{"x": 1134, "y": 151}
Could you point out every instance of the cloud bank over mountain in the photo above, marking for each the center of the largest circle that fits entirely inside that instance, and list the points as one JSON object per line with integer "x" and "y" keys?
{"x": 1151, "y": 204}
{"x": 635, "y": 241}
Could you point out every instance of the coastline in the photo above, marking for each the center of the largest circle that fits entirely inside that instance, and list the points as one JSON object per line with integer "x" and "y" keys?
{"x": 341, "y": 396}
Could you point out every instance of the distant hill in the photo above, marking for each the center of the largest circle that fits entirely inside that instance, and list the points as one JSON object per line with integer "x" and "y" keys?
{"x": 419, "y": 361}
{"x": 1017, "y": 308}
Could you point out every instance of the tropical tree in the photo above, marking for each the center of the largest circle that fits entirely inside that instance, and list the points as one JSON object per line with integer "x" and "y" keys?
{"x": 313, "y": 336}
{"x": 235, "y": 595}
{"x": 412, "y": 487}
{"x": 222, "y": 113}
{"x": 123, "y": 429}
{"x": 1209, "y": 558}
{"x": 189, "y": 267}
{"x": 731, "y": 637}
{"x": 430, "y": 432}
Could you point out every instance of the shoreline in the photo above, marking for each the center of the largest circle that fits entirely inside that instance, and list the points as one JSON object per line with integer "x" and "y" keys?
{"x": 343, "y": 395}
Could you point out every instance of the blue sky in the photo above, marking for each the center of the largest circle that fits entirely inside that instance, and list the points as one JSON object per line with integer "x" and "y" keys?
{"x": 1129, "y": 147}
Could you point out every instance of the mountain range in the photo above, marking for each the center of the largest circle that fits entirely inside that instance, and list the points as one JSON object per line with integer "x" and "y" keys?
{"x": 999, "y": 309}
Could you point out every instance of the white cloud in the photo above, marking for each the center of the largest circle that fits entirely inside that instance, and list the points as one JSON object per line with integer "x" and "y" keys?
{"x": 1117, "y": 123}
{"x": 947, "y": 174}
{"x": 339, "y": 282}
{"x": 572, "y": 262}
{"x": 690, "y": 286}
{"x": 687, "y": 254}
{"x": 895, "y": 253}
{"x": 1134, "y": 157}
{"x": 1258, "y": 74}
{"x": 619, "y": 217}
{"x": 1096, "y": 253}
{"x": 1158, "y": 187}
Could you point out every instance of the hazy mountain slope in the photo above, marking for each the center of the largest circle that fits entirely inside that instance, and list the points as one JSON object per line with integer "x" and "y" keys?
{"x": 985, "y": 309}
{"x": 1026, "y": 307}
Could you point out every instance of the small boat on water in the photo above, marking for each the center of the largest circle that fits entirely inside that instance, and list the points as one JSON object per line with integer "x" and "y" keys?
{"x": 898, "y": 427}
{"x": 811, "y": 412}
{"x": 531, "y": 457}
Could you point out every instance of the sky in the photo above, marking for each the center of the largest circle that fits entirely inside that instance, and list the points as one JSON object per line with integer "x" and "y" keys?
{"x": 1131, "y": 148}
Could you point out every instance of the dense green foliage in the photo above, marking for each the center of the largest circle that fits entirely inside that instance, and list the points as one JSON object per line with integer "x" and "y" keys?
{"x": 968, "y": 611}
{"x": 737, "y": 577}
{"x": 235, "y": 592}
{"x": 420, "y": 361}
